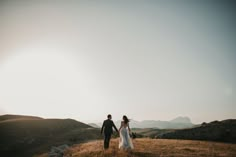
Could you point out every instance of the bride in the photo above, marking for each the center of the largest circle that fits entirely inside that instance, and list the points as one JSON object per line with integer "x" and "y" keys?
{"x": 125, "y": 140}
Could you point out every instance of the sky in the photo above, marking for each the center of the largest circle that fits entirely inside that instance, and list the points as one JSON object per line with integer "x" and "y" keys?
{"x": 149, "y": 60}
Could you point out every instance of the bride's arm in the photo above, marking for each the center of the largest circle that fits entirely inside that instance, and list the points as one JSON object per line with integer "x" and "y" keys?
{"x": 129, "y": 128}
{"x": 120, "y": 126}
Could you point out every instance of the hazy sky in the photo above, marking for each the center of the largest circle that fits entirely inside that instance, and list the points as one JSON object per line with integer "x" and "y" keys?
{"x": 146, "y": 59}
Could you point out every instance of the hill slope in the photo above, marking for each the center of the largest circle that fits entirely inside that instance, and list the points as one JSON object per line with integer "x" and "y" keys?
{"x": 8, "y": 117}
{"x": 153, "y": 148}
{"x": 24, "y": 137}
{"x": 223, "y": 131}
{"x": 150, "y": 132}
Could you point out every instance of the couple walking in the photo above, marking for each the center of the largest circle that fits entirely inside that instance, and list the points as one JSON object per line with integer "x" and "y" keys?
{"x": 124, "y": 132}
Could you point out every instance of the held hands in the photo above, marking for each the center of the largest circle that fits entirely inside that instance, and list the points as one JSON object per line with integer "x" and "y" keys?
{"x": 117, "y": 133}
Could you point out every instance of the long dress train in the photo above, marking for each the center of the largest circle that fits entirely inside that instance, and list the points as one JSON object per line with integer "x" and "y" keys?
{"x": 125, "y": 140}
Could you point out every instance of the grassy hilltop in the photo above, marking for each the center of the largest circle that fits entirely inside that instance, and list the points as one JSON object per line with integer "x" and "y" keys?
{"x": 153, "y": 148}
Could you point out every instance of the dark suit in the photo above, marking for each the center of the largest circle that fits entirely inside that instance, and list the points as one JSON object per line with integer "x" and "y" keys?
{"x": 107, "y": 128}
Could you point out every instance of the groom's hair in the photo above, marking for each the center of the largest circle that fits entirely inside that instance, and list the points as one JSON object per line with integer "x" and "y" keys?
{"x": 109, "y": 116}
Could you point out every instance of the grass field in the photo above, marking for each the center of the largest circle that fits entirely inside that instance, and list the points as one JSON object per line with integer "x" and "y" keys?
{"x": 154, "y": 148}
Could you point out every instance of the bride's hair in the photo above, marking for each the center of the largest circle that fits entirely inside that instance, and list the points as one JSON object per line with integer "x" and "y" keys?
{"x": 126, "y": 120}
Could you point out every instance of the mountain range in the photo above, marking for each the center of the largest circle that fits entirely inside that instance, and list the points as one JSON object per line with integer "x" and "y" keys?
{"x": 177, "y": 123}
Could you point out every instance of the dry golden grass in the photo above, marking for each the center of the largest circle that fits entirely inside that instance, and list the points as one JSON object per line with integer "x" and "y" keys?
{"x": 155, "y": 148}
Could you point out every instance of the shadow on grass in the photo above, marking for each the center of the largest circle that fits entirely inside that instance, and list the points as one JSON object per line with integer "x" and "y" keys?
{"x": 143, "y": 154}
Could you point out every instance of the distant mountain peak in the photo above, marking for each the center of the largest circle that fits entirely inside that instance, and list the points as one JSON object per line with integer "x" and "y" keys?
{"x": 181, "y": 119}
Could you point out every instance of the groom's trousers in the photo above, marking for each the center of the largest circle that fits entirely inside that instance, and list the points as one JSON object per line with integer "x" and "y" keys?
{"x": 107, "y": 138}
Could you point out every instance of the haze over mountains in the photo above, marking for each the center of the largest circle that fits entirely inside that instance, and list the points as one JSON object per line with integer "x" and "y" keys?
{"x": 177, "y": 123}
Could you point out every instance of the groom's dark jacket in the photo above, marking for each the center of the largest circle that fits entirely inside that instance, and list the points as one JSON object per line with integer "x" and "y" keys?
{"x": 107, "y": 126}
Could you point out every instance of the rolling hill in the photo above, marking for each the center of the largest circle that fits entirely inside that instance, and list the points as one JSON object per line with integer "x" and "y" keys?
{"x": 150, "y": 132}
{"x": 8, "y": 117}
{"x": 27, "y": 135}
{"x": 223, "y": 131}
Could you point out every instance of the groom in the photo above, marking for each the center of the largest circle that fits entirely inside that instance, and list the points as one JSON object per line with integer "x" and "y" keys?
{"x": 108, "y": 124}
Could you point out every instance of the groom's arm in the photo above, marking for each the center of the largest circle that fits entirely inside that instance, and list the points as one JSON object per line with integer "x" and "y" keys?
{"x": 102, "y": 127}
{"x": 114, "y": 126}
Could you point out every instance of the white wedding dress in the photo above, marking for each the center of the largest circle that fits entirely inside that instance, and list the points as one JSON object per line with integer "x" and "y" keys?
{"x": 125, "y": 140}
